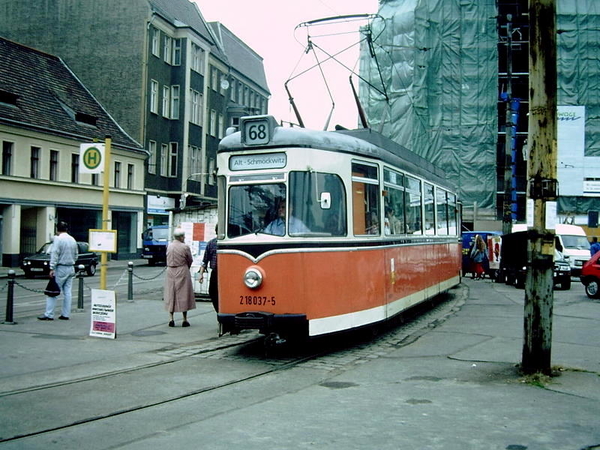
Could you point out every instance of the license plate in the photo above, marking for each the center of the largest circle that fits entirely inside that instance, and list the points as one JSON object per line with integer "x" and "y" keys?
{"x": 36, "y": 269}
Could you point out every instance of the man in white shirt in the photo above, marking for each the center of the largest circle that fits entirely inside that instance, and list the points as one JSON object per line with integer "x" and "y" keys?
{"x": 63, "y": 257}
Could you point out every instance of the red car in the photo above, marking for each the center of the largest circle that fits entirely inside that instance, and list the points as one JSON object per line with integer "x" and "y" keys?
{"x": 590, "y": 276}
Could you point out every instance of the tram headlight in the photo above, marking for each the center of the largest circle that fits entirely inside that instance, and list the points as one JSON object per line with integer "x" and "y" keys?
{"x": 253, "y": 277}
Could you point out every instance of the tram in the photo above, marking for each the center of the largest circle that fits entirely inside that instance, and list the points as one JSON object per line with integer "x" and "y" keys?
{"x": 327, "y": 231}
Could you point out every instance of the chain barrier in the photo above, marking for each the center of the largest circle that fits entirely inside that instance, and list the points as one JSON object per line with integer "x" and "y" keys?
{"x": 84, "y": 284}
{"x": 36, "y": 291}
{"x": 151, "y": 278}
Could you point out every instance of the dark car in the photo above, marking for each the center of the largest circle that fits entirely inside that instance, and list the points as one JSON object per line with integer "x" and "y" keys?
{"x": 513, "y": 262}
{"x": 590, "y": 276}
{"x": 39, "y": 263}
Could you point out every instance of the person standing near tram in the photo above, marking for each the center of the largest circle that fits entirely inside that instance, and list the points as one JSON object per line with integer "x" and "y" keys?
{"x": 179, "y": 291}
{"x": 210, "y": 259}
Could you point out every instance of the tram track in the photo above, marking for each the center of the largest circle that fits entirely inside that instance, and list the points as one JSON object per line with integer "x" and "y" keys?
{"x": 330, "y": 355}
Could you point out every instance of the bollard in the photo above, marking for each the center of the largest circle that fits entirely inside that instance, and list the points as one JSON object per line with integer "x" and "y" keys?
{"x": 10, "y": 298}
{"x": 130, "y": 282}
{"x": 80, "y": 269}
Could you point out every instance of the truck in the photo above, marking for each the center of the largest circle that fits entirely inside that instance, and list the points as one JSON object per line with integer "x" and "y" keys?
{"x": 155, "y": 240}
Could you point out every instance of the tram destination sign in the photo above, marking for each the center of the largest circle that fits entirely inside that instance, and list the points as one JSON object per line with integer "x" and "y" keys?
{"x": 256, "y": 162}
{"x": 257, "y": 130}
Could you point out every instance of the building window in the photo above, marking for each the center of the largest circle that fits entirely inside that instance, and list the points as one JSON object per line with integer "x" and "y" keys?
{"x": 214, "y": 77}
{"x": 167, "y": 46}
{"x": 174, "y": 102}
{"x": 220, "y": 126}
{"x": 117, "y": 182}
{"x": 210, "y": 180}
{"x": 154, "y": 96}
{"x": 176, "y": 52}
{"x": 196, "y": 160}
{"x": 74, "y": 167}
{"x": 164, "y": 149}
{"x": 35, "y": 162}
{"x": 197, "y": 59}
{"x": 53, "y": 175}
{"x": 213, "y": 122}
{"x": 7, "y": 153}
{"x": 130, "y": 176}
{"x": 152, "y": 158}
{"x": 173, "y": 159}
{"x": 166, "y": 101}
{"x": 156, "y": 42}
{"x": 196, "y": 107}
{"x": 233, "y": 91}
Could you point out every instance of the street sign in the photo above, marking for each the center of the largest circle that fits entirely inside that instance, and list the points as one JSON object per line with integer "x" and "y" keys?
{"x": 92, "y": 158}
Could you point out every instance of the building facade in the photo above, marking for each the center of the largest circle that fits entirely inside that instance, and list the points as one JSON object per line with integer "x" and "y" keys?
{"x": 45, "y": 115}
{"x": 161, "y": 71}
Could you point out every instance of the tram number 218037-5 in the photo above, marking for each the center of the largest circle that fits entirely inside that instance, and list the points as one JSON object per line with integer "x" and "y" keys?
{"x": 257, "y": 300}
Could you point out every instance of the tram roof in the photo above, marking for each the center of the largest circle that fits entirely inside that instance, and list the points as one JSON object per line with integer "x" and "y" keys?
{"x": 363, "y": 142}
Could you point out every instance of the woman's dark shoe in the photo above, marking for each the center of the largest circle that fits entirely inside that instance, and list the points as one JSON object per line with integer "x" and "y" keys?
{"x": 172, "y": 323}
{"x": 185, "y": 323}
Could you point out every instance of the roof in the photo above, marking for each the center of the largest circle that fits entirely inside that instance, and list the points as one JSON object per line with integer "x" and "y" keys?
{"x": 241, "y": 57}
{"x": 38, "y": 91}
{"x": 183, "y": 13}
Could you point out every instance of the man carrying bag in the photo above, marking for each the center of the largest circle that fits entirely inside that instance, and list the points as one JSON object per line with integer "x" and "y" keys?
{"x": 62, "y": 267}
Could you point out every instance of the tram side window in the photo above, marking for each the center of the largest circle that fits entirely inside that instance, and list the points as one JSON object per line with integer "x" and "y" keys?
{"x": 452, "y": 215}
{"x": 365, "y": 199}
{"x": 412, "y": 205}
{"x": 441, "y": 206}
{"x": 429, "y": 209}
{"x": 318, "y": 200}
{"x": 394, "y": 222}
{"x": 253, "y": 207}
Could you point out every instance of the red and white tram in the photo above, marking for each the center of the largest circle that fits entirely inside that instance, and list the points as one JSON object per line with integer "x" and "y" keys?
{"x": 328, "y": 231}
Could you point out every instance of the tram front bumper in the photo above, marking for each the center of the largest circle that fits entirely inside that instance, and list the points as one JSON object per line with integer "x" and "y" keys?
{"x": 263, "y": 321}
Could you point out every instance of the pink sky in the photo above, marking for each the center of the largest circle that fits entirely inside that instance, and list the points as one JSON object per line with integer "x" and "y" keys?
{"x": 267, "y": 26}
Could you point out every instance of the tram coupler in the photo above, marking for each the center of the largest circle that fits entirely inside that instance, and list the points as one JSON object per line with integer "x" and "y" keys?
{"x": 273, "y": 340}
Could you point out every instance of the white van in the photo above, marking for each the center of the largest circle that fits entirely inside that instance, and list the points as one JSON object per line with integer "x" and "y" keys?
{"x": 575, "y": 244}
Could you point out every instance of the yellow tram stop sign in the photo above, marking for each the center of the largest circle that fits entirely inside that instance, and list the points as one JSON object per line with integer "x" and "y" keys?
{"x": 92, "y": 158}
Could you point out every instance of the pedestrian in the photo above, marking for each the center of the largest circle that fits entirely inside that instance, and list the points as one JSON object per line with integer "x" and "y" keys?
{"x": 63, "y": 257}
{"x": 478, "y": 256}
{"x": 595, "y": 247}
{"x": 210, "y": 258}
{"x": 179, "y": 292}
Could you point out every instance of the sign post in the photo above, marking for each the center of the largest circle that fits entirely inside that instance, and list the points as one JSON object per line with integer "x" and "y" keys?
{"x": 104, "y": 255}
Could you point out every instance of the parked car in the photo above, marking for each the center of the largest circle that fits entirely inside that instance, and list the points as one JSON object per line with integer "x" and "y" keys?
{"x": 590, "y": 276}
{"x": 513, "y": 262}
{"x": 39, "y": 263}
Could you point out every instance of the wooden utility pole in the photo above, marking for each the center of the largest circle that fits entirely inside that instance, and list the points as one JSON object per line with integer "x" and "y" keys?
{"x": 542, "y": 186}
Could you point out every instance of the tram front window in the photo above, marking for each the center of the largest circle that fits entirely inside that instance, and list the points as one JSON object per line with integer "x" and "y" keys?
{"x": 264, "y": 208}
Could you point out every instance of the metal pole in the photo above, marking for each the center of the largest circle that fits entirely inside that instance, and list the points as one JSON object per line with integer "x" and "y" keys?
{"x": 10, "y": 298}
{"x": 105, "y": 195}
{"x": 507, "y": 219}
{"x": 130, "y": 283}
{"x": 542, "y": 186}
{"x": 80, "y": 269}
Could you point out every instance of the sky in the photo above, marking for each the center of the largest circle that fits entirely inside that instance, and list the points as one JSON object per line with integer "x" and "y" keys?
{"x": 269, "y": 28}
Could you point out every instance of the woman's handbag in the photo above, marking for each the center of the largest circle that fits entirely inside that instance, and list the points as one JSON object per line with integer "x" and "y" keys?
{"x": 52, "y": 289}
